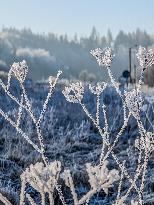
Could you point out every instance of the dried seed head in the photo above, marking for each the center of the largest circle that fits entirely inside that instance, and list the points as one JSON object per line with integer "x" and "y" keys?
{"x": 74, "y": 93}
{"x": 20, "y": 70}
{"x": 103, "y": 57}
{"x": 145, "y": 57}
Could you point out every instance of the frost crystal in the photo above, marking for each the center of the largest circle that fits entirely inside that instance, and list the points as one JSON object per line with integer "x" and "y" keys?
{"x": 145, "y": 57}
{"x": 20, "y": 70}
{"x": 74, "y": 93}
{"x": 103, "y": 57}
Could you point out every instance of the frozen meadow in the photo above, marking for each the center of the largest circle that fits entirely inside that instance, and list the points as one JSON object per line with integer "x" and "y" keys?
{"x": 73, "y": 143}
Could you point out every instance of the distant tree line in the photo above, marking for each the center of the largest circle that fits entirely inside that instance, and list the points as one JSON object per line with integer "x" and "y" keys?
{"x": 46, "y": 53}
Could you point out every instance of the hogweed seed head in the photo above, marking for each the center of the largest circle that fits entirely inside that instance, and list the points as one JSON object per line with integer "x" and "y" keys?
{"x": 20, "y": 70}
{"x": 103, "y": 57}
{"x": 74, "y": 93}
{"x": 145, "y": 57}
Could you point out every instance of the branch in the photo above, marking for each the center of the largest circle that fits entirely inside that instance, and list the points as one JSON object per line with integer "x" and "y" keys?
{"x": 52, "y": 86}
{"x": 4, "y": 200}
{"x": 19, "y": 130}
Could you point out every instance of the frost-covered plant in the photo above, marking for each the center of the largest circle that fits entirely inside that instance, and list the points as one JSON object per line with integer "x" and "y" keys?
{"x": 132, "y": 104}
{"x": 103, "y": 57}
{"x": 147, "y": 143}
{"x": 43, "y": 176}
{"x": 77, "y": 89}
{"x": 19, "y": 71}
{"x": 99, "y": 178}
{"x": 145, "y": 57}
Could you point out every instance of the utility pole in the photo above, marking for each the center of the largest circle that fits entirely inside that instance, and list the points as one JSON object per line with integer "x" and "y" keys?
{"x": 130, "y": 63}
{"x": 135, "y": 75}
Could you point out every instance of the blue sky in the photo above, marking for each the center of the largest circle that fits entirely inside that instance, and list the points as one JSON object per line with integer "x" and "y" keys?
{"x": 78, "y": 16}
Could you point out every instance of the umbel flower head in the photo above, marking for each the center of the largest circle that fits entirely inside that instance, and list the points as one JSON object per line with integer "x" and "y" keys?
{"x": 103, "y": 57}
{"x": 74, "y": 93}
{"x": 20, "y": 70}
{"x": 145, "y": 57}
